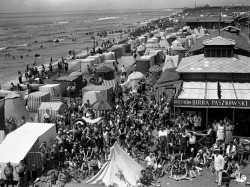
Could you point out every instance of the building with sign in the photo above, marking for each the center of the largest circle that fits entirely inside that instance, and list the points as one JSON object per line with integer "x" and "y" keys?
{"x": 216, "y": 83}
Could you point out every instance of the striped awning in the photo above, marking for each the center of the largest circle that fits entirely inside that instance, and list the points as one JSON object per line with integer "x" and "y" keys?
{"x": 109, "y": 83}
{"x": 53, "y": 89}
{"x": 53, "y": 107}
{"x": 35, "y": 99}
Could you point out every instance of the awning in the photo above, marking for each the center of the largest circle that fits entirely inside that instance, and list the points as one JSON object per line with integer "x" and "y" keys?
{"x": 206, "y": 95}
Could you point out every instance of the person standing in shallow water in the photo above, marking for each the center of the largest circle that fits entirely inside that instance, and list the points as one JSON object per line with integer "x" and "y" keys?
{"x": 20, "y": 77}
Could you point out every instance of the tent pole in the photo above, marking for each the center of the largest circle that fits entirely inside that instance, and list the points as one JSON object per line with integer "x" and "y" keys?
{"x": 206, "y": 123}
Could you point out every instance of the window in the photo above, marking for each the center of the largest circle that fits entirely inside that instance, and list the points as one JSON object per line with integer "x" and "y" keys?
{"x": 224, "y": 53}
{"x": 229, "y": 52}
{"x": 207, "y": 52}
{"x": 213, "y": 53}
{"x": 218, "y": 53}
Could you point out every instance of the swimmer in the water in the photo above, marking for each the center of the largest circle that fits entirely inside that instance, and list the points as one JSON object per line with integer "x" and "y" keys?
{"x": 13, "y": 58}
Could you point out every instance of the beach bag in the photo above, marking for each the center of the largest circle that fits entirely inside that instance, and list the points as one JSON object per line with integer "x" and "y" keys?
{"x": 225, "y": 177}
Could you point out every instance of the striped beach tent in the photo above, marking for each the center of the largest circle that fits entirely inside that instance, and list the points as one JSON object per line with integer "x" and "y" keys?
{"x": 24, "y": 143}
{"x": 35, "y": 99}
{"x": 53, "y": 89}
{"x": 53, "y": 107}
{"x": 109, "y": 83}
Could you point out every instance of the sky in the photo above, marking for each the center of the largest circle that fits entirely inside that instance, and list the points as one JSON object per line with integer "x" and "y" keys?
{"x": 13, "y": 6}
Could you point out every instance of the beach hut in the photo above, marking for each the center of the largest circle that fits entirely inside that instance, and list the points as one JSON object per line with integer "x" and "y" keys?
{"x": 164, "y": 44}
{"x": 92, "y": 96}
{"x": 35, "y": 99}
{"x": 111, "y": 64}
{"x": 97, "y": 59}
{"x": 176, "y": 43}
{"x": 142, "y": 39}
{"x": 150, "y": 58}
{"x": 109, "y": 56}
{"x": 183, "y": 42}
{"x": 128, "y": 62}
{"x": 127, "y": 48}
{"x": 85, "y": 63}
{"x": 24, "y": 143}
{"x": 105, "y": 73}
{"x": 142, "y": 65}
{"x": 15, "y": 108}
{"x": 158, "y": 56}
{"x": 180, "y": 51}
{"x": 82, "y": 55}
{"x": 118, "y": 50}
{"x": 105, "y": 91}
{"x": 169, "y": 63}
{"x": 53, "y": 89}
{"x": 53, "y": 107}
{"x": 101, "y": 57}
{"x": 65, "y": 81}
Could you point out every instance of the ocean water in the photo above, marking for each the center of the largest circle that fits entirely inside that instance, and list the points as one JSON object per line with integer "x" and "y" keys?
{"x": 23, "y": 34}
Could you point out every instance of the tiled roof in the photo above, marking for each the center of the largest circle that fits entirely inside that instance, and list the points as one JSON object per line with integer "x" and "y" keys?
{"x": 241, "y": 42}
{"x": 218, "y": 41}
{"x": 200, "y": 64}
{"x": 168, "y": 75}
{"x": 210, "y": 19}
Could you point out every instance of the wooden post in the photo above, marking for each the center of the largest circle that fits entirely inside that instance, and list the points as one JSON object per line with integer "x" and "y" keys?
{"x": 233, "y": 115}
{"x": 206, "y": 124}
{"x": 174, "y": 114}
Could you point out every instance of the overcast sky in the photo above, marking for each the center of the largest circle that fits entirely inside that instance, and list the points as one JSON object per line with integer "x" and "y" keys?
{"x": 72, "y": 5}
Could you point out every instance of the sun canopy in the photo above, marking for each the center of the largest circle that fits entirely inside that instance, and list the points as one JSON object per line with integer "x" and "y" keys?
{"x": 92, "y": 121}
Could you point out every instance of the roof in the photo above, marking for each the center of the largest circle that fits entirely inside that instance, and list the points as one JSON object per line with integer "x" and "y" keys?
{"x": 18, "y": 143}
{"x": 240, "y": 41}
{"x": 49, "y": 85}
{"x": 209, "y": 90}
{"x": 66, "y": 79}
{"x": 168, "y": 75}
{"x": 104, "y": 69}
{"x": 38, "y": 94}
{"x": 231, "y": 27}
{"x": 209, "y": 19}
{"x": 200, "y": 64}
{"x": 51, "y": 105}
{"x": 218, "y": 41}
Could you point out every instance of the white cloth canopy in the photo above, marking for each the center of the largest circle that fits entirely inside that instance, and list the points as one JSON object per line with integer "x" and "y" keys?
{"x": 92, "y": 121}
{"x": 121, "y": 170}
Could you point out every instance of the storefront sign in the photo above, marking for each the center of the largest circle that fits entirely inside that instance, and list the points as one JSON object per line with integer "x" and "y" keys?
{"x": 212, "y": 103}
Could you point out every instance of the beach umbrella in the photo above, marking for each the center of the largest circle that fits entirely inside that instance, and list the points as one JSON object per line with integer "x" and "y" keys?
{"x": 103, "y": 105}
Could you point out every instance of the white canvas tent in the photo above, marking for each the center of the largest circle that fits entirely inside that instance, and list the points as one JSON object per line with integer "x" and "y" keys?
{"x": 24, "y": 142}
{"x": 119, "y": 163}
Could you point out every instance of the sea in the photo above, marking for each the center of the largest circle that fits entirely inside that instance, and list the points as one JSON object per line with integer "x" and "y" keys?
{"x": 28, "y": 34}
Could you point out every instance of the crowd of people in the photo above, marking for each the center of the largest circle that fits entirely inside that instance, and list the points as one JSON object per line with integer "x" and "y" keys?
{"x": 145, "y": 130}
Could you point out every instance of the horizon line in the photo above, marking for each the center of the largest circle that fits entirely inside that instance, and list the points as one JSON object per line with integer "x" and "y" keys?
{"x": 86, "y": 10}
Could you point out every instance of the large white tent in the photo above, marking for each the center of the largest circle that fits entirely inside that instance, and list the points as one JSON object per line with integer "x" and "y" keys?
{"x": 121, "y": 170}
{"x": 24, "y": 142}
